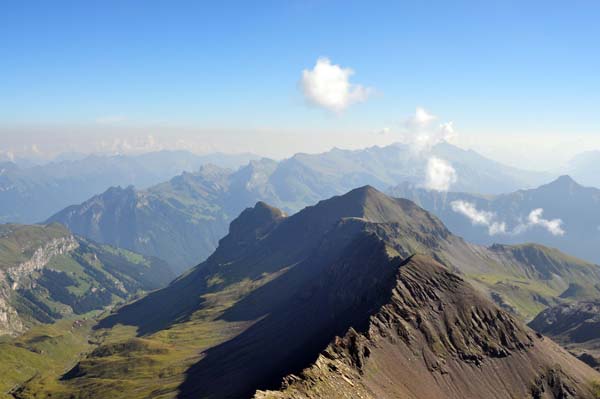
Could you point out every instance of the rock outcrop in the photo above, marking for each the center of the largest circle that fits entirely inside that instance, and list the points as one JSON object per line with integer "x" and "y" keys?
{"x": 437, "y": 337}
{"x": 20, "y": 275}
{"x": 47, "y": 273}
{"x": 574, "y": 325}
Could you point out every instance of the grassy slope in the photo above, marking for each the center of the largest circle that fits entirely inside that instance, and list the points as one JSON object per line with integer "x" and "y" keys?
{"x": 42, "y": 353}
{"x": 47, "y": 351}
{"x": 534, "y": 277}
{"x": 19, "y": 242}
{"x": 122, "y": 365}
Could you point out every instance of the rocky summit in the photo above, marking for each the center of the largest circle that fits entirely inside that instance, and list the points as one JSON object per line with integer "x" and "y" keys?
{"x": 360, "y": 295}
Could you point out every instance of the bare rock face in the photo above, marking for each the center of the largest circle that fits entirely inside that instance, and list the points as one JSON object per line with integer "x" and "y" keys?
{"x": 437, "y": 337}
{"x": 576, "y": 326}
{"x": 19, "y": 275}
{"x": 47, "y": 273}
{"x": 10, "y": 322}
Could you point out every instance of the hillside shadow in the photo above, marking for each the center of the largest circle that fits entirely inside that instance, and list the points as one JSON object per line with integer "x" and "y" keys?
{"x": 297, "y": 329}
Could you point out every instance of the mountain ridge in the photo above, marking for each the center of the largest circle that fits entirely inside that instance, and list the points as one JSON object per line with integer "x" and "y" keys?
{"x": 287, "y": 285}
{"x": 194, "y": 209}
{"x": 567, "y": 208}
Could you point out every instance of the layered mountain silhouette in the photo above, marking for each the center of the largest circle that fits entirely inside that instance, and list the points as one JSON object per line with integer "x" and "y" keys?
{"x": 30, "y": 193}
{"x": 506, "y": 218}
{"x": 182, "y": 220}
{"x": 359, "y": 295}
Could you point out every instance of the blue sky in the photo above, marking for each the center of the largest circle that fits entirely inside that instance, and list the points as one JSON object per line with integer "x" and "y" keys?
{"x": 511, "y": 68}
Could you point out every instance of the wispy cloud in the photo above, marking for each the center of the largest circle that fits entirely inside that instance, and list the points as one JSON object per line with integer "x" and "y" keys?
{"x": 132, "y": 145}
{"x": 495, "y": 226}
{"x": 553, "y": 226}
{"x": 479, "y": 217}
{"x": 423, "y": 131}
{"x": 439, "y": 174}
{"x": 328, "y": 85}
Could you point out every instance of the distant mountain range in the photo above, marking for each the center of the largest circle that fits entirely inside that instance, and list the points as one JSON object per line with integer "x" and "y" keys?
{"x": 359, "y": 295}
{"x": 30, "y": 194}
{"x": 561, "y": 214}
{"x": 47, "y": 274}
{"x": 182, "y": 220}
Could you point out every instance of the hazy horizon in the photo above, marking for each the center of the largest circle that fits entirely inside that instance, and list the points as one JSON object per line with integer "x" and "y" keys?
{"x": 91, "y": 78}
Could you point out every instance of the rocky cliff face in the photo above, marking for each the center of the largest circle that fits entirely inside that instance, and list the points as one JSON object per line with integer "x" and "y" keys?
{"x": 436, "y": 337}
{"x": 21, "y": 276}
{"x": 10, "y": 323}
{"x": 47, "y": 273}
{"x": 576, "y": 326}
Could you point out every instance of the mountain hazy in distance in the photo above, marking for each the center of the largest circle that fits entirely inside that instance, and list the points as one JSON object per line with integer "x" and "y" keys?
{"x": 182, "y": 220}
{"x": 569, "y": 218}
{"x": 30, "y": 194}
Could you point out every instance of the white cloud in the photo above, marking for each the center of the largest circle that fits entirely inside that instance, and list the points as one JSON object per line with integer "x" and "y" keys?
{"x": 139, "y": 144}
{"x": 553, "y": 226}
{"x": 490, "y": 220}
{"x": 423, "y": 131}
{"x": 328, "y": 85}
{"x": 439, "y": 174}
{"x": 477, "y": 217}
{"x": 420, "y": 120}
{"x": 447, "y": 130}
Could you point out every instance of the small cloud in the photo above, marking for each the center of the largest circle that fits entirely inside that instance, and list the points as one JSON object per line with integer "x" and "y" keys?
{"x": 328, "y": 85}
{"x": 439, "y": 174}
{"x": 447, "y": 130}
{"x": 478, "y": 217}
{"x": 138, "y": 144}
{"x": 420, "y": 120}
{"x": 553, "y": 226}
{"x": 110, "y": 119}
{"x": 490, "y": 220}
{"x": 423, "y": 131}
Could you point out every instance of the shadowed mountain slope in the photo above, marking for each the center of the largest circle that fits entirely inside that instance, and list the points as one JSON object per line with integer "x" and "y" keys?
{"x": 279, "y": 289}
{"x": 437, "y": 337}
{"x": 576, "y": 326}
